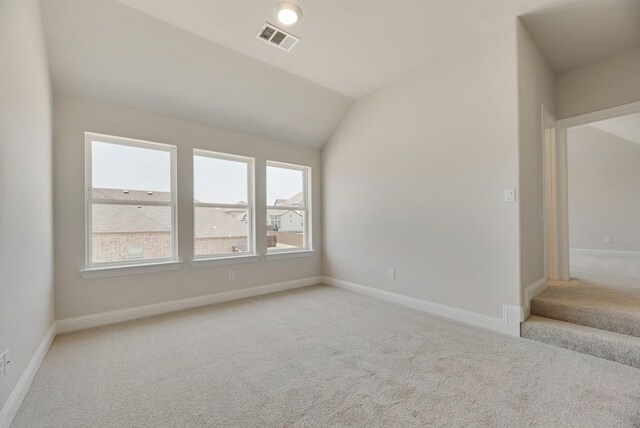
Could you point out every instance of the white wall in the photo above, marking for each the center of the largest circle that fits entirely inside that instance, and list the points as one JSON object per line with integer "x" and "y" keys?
{"x": 26, "y": 258}
{"x": 535, "y": 88}
{"x": 604, "y": 190}
{"x": 414, "y": 179}
{"x": 76, "y": 296}
{"x": 612, "y": 82}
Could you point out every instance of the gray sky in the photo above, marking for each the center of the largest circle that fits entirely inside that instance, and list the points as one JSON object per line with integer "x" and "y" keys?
{"x": 215, "y": 180}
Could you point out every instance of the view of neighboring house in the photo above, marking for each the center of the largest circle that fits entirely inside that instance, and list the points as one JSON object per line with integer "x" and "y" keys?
{"x": 285, "y": 226}
{"x": 143, "y": 231}
{"x": 129, "y": 232}
{"x": 286, "y": 220}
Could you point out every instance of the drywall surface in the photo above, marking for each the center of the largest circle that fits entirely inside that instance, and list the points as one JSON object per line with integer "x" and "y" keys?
{"x": 414, "y": 180}
{"x": 609, "y": 83}
{"x": 604, "y": 201}
{"x": 172, "y": 72}
{"x": 535, "y": 88}
{"x": 26, "y": 218}
{"x": 76, "y": 296}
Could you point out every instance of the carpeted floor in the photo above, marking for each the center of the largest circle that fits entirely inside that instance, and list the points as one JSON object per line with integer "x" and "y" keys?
{"x": 614, "y": 271}
{"x": 320, "y": 356}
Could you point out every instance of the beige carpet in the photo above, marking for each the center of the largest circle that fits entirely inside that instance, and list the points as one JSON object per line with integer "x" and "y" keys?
{"x": 320, "y": 357}
{"x": 604, "y": 294}
{"x": 615, "y": 271}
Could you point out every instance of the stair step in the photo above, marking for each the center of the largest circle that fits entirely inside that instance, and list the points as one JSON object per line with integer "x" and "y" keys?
{"x": 605, "y": 344}
{"x": 619, "y": 312}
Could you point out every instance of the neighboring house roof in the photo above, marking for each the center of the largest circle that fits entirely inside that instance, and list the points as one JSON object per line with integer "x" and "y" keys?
{"x": 130, "y": 218}
{"x": 278, "y": 213}
{"x": 131, "y": 195}
{"x": 294, "y": 201}
{"x": 216, "y": 223}
{"x": 212, "y": 222}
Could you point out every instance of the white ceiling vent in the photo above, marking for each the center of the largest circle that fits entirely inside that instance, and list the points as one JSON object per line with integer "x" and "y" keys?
{"x": 277, "y": 37}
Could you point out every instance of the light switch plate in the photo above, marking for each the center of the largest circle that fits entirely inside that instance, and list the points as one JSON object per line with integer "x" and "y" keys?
{"x": 510, "y": 195}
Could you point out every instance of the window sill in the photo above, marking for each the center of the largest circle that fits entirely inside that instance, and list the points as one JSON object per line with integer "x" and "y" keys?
{"x": 109, "y": 271}
{"x": 289, "y": 254}
{"x": 198, "y": 263}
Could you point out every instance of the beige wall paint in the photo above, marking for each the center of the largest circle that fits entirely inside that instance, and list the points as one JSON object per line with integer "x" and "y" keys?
{"x": 604, "y": 190}
{"x": 414, "y": 179}
{"x": 609, "y": 83}
{"x": 76, "y": 296}
{"x": 26, "y": 248}
{"x": 535, "y": 88}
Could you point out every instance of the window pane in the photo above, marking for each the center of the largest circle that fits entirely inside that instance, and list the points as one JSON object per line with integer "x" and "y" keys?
{"x": 285, "y": 229}
{"x": 220, "y": 231}
{"x": 284, "y": 186}
{"x": 130, "y": 232}
{"x": 219, "y": 181}
{"x": 117, "y": 166}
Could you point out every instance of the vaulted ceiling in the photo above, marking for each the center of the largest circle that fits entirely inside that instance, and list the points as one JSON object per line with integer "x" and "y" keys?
{"x": 350, "y": 46}
{"x": 626, "y": 127}
{"x": 105, "y": 50}
{"x": 200, "y": 59}
{"x": 574, "y": 33}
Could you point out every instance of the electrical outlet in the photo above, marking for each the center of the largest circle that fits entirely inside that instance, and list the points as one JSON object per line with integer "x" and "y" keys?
{"x": 232, "y": 275}
{"x": 608, "y": 240}
{"x": 392, "y": 273}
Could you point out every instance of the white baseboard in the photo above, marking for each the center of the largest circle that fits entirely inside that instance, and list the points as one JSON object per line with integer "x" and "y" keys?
{"x": 509, "y": 324}
{"x": 598, "y": 251}
{"x": 11, "y": 406}
{"x": 532, "y": 291}
{"x": 112, "y": 317}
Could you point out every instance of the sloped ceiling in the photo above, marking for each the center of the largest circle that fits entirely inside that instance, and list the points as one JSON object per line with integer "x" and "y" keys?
{"x": 200, "y": 60}
{"x": 102, "y": 49}
{"x": 626, "y": 127}
{"x": 350, "y": 46}
{"x": 574, "y": 33}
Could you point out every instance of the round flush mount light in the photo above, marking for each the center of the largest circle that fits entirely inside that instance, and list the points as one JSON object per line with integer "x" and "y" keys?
{"x": 288, "y": 13}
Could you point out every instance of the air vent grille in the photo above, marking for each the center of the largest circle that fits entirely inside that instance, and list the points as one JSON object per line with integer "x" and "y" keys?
{"x": 277, "y": 37}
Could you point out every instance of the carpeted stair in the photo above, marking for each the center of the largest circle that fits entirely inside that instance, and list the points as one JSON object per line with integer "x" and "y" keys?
{"x": 591, "y": 305}
{"x": 588, "y": 318}
{"x": 621, "y": 348}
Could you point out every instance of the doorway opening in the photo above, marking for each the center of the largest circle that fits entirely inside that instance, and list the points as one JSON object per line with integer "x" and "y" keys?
{"x": 592, "y": 236}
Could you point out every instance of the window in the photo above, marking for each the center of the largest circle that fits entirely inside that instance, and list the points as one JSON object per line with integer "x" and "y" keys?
{"x": 223, "y": 205}
{"x": 131, "y": 201}
{"x": 288, "y": 214}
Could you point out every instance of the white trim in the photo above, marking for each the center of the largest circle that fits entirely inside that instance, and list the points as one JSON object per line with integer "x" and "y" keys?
{"x": 556, "y": 182}
{"x": 532, "y": 291}
{"x": 134, "y": 269}
{"x": 105, "y": 318}
{"x": 11, "y": 406}
{"x": 599, "y": 115}
{"x": 89, "y": 138}
{"x": 548, "y": 166}
{"x": 307, "y": 210}
{"x": 290, "y": 254}
{"x": 508, "y": 324}
{"x": 198, "y": 263}
{"x": 605, "y": 252}
{"x": 249, "y": 206}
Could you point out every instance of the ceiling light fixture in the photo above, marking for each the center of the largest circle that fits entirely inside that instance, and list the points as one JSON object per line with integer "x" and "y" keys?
{"x": 288, "y": 13}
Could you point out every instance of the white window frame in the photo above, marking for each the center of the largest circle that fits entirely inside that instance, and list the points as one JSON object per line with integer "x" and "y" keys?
{"x": 249, "y": 206}
{"x": 305, "y": 208}
{"x": 168, "y": 263}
